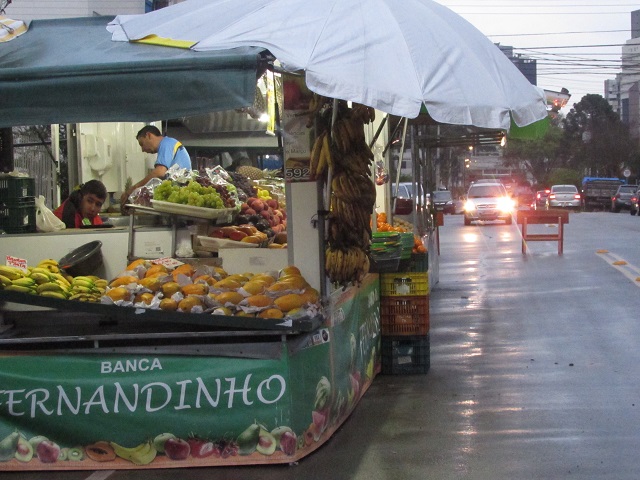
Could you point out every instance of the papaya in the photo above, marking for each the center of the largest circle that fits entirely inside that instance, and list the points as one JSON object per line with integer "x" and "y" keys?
{"x": 289, "y": 302}
{"x": 124, "y": 280}
{"x": 155, "y": 268}
{"x": 189, "y": 302}
{"x": 195, "y": 289}
{"x": 259, "y": 301}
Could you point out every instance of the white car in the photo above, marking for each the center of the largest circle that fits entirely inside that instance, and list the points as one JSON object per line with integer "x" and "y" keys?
{"x": 488, "y": 201}
{"x": 564, "y": 196}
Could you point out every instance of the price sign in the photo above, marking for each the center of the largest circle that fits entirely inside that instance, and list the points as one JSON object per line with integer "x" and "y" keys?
{"x": 168, "y": 262}
{"x": 16, "y": 262}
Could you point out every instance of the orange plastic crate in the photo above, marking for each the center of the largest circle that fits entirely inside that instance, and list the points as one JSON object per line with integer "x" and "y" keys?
{"x": 404, "y": 315}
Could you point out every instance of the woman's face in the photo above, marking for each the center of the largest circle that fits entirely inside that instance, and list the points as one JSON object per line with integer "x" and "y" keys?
{"x": 90, "y": 205}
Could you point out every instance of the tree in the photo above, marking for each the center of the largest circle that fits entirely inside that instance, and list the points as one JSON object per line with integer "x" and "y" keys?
{"x": 538, "y": 156}
{"x": 595, "y": 141}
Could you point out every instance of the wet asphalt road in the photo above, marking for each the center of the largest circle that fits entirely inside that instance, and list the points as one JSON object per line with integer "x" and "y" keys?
{"x": 535, "y": 370}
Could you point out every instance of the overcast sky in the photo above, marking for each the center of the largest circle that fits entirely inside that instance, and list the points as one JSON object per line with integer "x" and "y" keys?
{"x": 577, "y": 43}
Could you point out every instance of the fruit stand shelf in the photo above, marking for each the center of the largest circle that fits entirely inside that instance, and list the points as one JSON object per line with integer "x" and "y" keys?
{"x": 150, "y": 322}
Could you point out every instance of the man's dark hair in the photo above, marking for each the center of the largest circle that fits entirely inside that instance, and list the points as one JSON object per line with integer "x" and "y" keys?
{"x": 149, "y": 129}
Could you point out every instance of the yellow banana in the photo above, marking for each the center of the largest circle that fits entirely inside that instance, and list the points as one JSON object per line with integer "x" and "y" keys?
{"x": 101, "y": 283}
{"x": 82, "y": 289}
{"x": 48, "y": 261}
{"x": 24, "y": 282}
{"x": 52, "y": 294}
{"x": 145, "y": 452}
{"x": 82, "y": 282}
{"x": 11, "y": 273}
{"x": 61, "y": 279}
{"x": 50, "y": 287}
{"x": 4, "y": 280}
{"x": 40, "y": 277}
{"x": 20, "y": 288}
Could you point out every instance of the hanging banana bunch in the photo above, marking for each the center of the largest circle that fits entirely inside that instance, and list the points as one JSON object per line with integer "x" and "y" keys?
{"x": 343, "y": 151}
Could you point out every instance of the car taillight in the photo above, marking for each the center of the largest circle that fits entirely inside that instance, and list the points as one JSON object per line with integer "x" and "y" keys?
{"x": 634, "y": 199}
{"x": 577, "y": 196}
{"x": 552, "y": 196}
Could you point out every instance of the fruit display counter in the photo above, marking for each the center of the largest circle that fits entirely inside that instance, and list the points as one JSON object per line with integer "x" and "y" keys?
{"x": 111, "y": 384}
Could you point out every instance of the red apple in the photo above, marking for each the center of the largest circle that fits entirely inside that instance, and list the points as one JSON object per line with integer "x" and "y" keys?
{"x": 273, "y": 203}
{"x": 288, "y": 443}
{"x": 48, "y": 451}
{"x": 177, "y": 448}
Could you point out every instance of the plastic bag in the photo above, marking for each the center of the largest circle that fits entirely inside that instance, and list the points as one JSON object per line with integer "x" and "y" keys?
{"x": 46, "y": 221}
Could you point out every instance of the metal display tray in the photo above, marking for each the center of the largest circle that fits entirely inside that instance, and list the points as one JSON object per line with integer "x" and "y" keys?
{"x": 221, "y": 215}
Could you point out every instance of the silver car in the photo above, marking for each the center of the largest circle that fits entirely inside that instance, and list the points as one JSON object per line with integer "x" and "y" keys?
{"x": 564, "y": 196}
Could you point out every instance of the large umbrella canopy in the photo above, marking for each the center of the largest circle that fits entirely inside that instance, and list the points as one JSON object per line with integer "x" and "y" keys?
{"x": 394, "y": 55}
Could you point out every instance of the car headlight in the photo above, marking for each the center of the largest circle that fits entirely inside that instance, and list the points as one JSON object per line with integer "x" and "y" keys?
{"x": 506, "y": 205}
{"x": 469, "y": 206}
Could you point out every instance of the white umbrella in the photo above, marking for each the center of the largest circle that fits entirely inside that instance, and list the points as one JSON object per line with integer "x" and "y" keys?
{"x": 393, "y": 55}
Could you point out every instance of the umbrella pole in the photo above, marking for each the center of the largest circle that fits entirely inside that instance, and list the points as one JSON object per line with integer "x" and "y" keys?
{"x": 398, "y": 169}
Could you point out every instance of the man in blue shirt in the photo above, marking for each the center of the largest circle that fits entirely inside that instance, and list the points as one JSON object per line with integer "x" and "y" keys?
{"x": 170, "y": 152}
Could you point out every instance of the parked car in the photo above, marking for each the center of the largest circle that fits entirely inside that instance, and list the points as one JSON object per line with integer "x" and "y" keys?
{"x": 443, "y": 201}
{"x": 635, "y": 202}
{"x": 488, "y": 201}
{"x": 622, "y": 199}
{"x": 540, "y": 202}
{"x": 564, "y": 196}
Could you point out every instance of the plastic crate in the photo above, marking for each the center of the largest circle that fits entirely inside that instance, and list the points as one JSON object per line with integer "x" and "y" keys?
{"x": 380, "y": 264}
{"x": 404, "y": 315}
{"x": 404, "y": 284}
{"x": 18, "y": 218}
{"x": 405, "y": 354}
{"x": 14, "y": 188}
{"x": 419, "y": 262}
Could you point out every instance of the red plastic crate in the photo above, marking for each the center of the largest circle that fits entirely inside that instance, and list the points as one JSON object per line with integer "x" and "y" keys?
{"x": 404, "y": 315}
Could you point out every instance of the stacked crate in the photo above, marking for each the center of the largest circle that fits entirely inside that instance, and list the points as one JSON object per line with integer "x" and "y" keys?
{"x": 404, "y": 318}
{"x": 17, "y": 204}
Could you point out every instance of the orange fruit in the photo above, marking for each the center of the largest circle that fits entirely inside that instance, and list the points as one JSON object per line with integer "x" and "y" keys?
{"x": 170, "y": 288}
{"x": 259, "y": 301}
{"x": 168, "y": 304}
{"x": 229, "y": 297}
{"x": 289, "y": 302}
{"x": 271, "y": 313}
{"x": 143, "y": 298}
{"x": 154, "y": 269}
{"x": 118, "y": 293}
{"x": 188, "y": 302}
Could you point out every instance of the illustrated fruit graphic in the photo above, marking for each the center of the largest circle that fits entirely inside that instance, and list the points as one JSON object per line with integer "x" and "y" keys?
{"x": 142, "y": 454}
{"x": 159, "y": 440}
{"x": 177, "y": 448}
{"x": 248, "y": 440}
{"x": 35, "y": 441}
{"x": 288, "y": 443}
{"x": 63, "y": 455}
{"x": 8, "y": 446}
{"x": 100, "y": 451}
{"x": 201, "y": 448}
{"x": 24, "y": 450}
{"x": 48, "y": 451}
{"x": 75, "y": 454}
{"x": 266, "y": 443}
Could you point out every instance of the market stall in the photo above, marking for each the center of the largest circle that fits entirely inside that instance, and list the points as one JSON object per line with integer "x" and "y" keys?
{"x": 113, "y": 383}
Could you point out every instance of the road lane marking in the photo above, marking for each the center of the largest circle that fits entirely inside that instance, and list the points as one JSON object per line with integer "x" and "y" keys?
{"x": 627, "y": 269}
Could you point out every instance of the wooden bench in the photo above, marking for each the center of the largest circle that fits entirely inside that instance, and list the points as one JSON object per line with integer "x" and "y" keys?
{"x": 552, "y": 216}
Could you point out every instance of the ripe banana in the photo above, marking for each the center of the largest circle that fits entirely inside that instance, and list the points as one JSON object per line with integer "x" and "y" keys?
{"x": 53, "y": 294}
{"x": 40, "y": 277}
{"x": 5, "y": 281}
{"x": 142, "y": 454}
{"x": 82, "y": 282}
{"x": 12, "y": 273}
{"x": 24, "y": 282}
{"x": 20, "y": 288}
{"x": 50, "y": 287}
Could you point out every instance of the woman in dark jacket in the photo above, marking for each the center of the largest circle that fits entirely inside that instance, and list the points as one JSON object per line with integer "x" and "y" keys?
{"x": 83, "y": 205}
